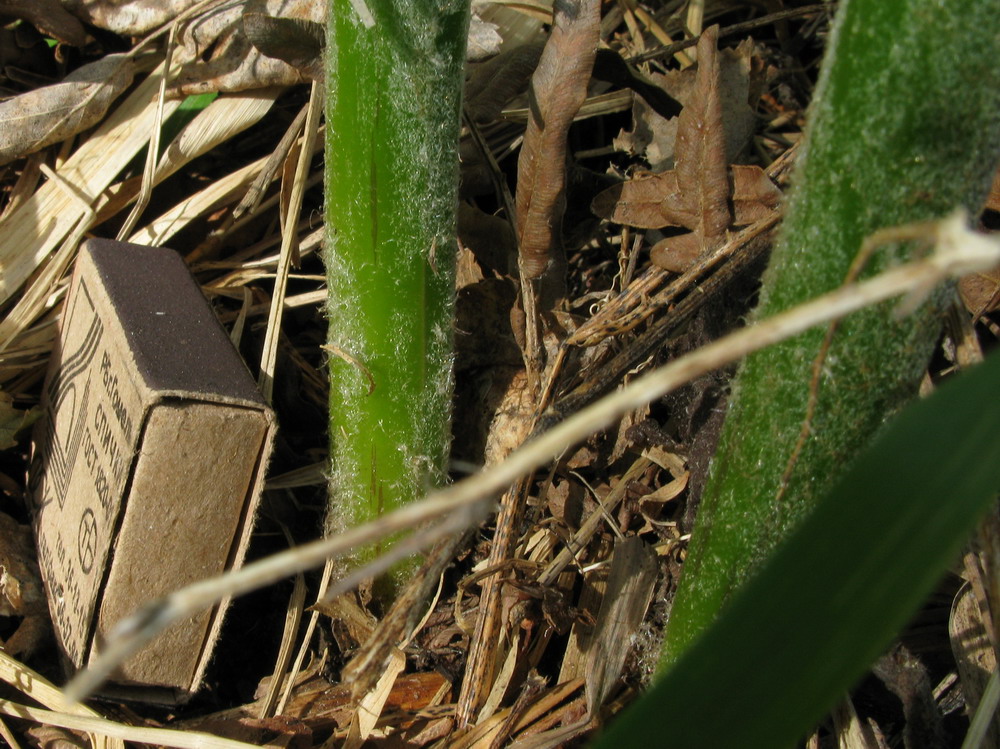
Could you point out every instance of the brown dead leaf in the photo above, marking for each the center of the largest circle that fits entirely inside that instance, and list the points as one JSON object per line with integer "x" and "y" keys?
{"x": 49, "y": 17}
{"x": 653, "y": 135}
{"x": 754, "y": 196}
{"x": 702, "y": 194}
{"x": 652, "y": 201}
{"x": 703, "y": 204}
{"x": 676, "y": 254}
{"x": 46, "y": 736}
{"x": 980, "y": 292}
{"x": 558, "y": 90}
{"x": 53, "y": 113}
{"x": 639, "y": 202}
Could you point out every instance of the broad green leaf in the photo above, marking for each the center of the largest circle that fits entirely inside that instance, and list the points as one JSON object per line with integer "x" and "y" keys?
{"x": 832, "y": 597}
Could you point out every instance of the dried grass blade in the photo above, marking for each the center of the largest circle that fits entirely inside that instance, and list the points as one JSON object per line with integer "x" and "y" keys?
{"x": 33, "y": 303}
{"x": 120, "y": 731}
{"x": 153, "y": 150}
{"x": 218, "y": 193}
{"x": 227, "y": 116}
{"x": 43, "y": 221}
{"x": 42, "y": 690}
{"x": 289, "y": 243}
{"x": 370, "y": 708}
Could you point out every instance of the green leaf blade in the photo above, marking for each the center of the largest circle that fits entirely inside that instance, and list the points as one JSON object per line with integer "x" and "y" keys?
{"x": 833, "y": 596}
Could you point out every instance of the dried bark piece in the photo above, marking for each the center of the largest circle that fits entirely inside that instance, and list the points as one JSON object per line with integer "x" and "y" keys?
{"x": 50, "y": 114}
{"x": 558, "y": 89}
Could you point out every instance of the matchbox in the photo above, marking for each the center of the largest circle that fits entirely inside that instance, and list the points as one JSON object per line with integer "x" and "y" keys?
{"x": 149, "y": 463}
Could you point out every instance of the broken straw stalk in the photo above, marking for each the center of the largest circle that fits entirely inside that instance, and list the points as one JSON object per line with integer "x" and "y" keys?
{"x": 959, "y": 251}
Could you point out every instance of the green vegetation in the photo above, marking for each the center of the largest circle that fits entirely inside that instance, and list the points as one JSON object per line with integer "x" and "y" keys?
{"x": 393, "y": 82}
{"x": 902, "y": 128}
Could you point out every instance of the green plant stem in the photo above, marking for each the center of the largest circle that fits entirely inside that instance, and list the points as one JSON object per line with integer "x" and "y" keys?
{"x": 394, "y": 77}
{"x": 903, "y": 127}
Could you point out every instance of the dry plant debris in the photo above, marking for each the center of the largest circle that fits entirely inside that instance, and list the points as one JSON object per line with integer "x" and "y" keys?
{"x": 589, "y": 552}
{"x": 558, "y": 89}
{"x": 52, "y": 114}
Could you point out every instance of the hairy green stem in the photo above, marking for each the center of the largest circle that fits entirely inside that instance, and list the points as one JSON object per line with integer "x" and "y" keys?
{"x": 394, "y": 77}
{"x": 903, "y": 127}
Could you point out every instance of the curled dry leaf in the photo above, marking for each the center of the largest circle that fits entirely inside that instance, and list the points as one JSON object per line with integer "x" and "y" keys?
{"x": 297, "y": 41}
{"x": 127, "y": 17}
{"x": 261, "y": 43}
{"x": 49, "y": 17}
{"x": 21, "y": 591}
{"x": 558, "y": 90}
{"x": 484, "y": 39}
{"x": 50, "y": 114}
{"x": 235, "y": 63}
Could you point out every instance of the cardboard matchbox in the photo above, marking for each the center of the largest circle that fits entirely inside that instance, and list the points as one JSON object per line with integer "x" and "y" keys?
{"x": 150, "y": 462}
